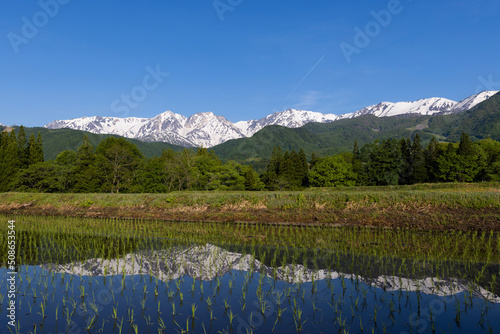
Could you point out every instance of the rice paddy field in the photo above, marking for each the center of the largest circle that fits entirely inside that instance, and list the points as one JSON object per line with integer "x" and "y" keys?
{"x": 115, "y": 275}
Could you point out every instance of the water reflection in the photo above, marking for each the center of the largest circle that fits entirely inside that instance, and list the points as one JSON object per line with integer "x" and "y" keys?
{"x": 207, "y": 262}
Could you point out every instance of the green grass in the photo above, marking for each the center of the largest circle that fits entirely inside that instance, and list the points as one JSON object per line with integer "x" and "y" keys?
{"x": 426, "y": 207}
{"x": 474, "y": 195}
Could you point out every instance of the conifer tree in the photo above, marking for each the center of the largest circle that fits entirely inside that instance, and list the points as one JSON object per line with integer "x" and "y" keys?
{"x": 270, "y": 175}
{"x": 419, "y": 169}
{"x": 252, "y": 180}
{"x": 304, "y": 167}
{"x": 465, "y": 146}
{"x": 35, "y": 150}
{"x": 406, "y": 161}
{"x": 86, "y": 173}
{"x": 23, "y": 148}
{"x": 385, "y": 162}
{"x": 431, "y": 154}
{"x": 39, "y": 147}
{"x": 357, "y": 166}
{"x": 314, "y": 160}
{"x": 10, "y": 162}
{"x": 293, "y": 172}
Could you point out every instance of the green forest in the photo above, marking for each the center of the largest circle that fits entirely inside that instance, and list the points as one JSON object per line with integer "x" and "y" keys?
{"x": 116, "y": 165}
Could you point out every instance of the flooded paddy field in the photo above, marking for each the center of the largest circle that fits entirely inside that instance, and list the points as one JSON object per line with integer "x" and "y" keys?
{"x": 78, "y": 275}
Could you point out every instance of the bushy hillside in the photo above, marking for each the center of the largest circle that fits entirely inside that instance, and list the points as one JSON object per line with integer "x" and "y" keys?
{"x": 56, "y": 141}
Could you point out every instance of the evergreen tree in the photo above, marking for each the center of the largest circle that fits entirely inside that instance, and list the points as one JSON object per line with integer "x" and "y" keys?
{"x": 286, "y": 171}
{"x": 406, "y": 161}
{"x": 23, "y": 148}
{"x": 357, "y": 165}
{"x": 87, "y": 176}
{"x": 418, "y": 162}
{"x": 385, "y": 162}
{"x": 314, "y": 160}
{"x": 465, "y": 145}
{"x": 4, "y": 140}
{"x": 252, "y": 180}
{"x": 270, "y": 175}
{"x": 355, "y": 151}
{"x": 431, "y": 154}
{"x": 276, "y": 160}
{"x": 39, "y": 148}
{"x": 304, "y": 168}
{"x": 35, "y": 149}
{"x": 10, "y": 162}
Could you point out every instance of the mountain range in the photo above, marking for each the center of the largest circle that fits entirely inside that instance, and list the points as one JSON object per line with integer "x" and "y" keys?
{"x": 208, "y": 129}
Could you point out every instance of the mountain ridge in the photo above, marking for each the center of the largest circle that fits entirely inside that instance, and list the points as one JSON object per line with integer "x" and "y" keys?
{"x": 209, "y": 130}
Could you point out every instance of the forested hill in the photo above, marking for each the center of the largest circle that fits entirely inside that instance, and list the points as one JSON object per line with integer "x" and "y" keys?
{"x": 331, "y": 138}
{"x": 480, "y": 122}
{"x": 56, "y": 141}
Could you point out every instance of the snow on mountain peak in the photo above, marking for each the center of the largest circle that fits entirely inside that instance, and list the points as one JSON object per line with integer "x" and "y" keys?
{"x": 207, "y": 129}
{"x": 423, "y": 107}
{"x": 472, "y": 101}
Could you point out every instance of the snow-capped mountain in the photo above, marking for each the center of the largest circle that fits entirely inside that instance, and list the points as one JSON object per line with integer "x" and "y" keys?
{"x": 291, "y": 118}
{"x": 208, "y": 129}
{"x": 471, "y": 102}
{"x": 423, "y": 107}
{"x": 207, "y": 262}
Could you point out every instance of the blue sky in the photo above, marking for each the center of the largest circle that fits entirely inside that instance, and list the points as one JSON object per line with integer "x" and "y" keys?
{"x": 241, "y": 59}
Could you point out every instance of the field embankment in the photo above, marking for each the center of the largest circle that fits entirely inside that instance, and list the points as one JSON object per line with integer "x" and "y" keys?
{"x": 429, "y": 207}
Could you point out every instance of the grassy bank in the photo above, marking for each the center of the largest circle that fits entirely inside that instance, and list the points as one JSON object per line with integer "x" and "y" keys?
{"x": 430, "y": 207}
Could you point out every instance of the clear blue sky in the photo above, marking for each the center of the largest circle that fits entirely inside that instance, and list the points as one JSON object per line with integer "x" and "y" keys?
{"x": 242, "y": 61}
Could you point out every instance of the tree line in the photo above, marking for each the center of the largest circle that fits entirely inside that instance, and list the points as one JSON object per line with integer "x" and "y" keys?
{"x": 17, "y": 153}
{"x": 117, "y": 166}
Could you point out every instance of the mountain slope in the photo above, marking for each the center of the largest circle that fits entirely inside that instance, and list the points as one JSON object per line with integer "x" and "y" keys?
{"x": 331, "y": 138}
{"x": 480, "y": 122}
{"x": 208, "y": 129}
{"x": 323, "y": 139}
{"x": 472, "y": 101}
{"x": 56, "y": 141}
